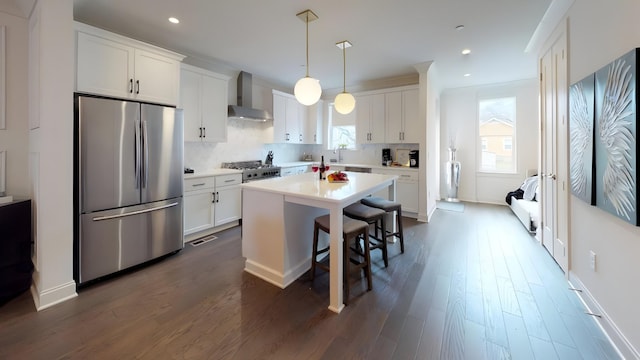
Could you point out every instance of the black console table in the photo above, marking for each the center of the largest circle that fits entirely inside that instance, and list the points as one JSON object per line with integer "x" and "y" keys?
{"x": 15, "y": 249}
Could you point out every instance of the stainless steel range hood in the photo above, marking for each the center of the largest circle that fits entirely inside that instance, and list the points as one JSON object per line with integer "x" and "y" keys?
{"x": 244, "y": 110}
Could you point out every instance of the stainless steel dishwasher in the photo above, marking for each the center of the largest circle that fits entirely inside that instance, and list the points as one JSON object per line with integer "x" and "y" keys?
{"x": 358, "y": 169}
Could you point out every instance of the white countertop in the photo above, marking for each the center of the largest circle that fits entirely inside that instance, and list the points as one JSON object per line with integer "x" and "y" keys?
{"x": 306, "y": 163}
{"x": 308, "y": 185}
{"x": 212, "y": 172}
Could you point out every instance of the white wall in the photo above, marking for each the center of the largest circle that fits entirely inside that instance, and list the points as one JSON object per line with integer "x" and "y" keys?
{"x": 599, "y": 32}
{"x": 460, "y": 121}
{"x": 14, "y": 138}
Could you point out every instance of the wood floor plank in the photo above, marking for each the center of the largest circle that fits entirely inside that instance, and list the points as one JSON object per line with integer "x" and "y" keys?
{"x": 519, "y": 344}
{"x": 542, "y": 349}
{"x": 441, "y": 299}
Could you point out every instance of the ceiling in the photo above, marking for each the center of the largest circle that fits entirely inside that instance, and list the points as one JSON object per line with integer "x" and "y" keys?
{"x": 389, "y": 37}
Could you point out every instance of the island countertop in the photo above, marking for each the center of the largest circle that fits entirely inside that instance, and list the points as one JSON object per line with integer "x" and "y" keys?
{"x": 308, "y": 185}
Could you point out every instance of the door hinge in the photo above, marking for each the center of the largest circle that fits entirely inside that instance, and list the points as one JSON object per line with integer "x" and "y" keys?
{"x": 540, "y": 76}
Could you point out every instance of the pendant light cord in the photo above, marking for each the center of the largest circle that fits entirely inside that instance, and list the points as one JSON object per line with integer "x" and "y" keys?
{"x": 307, "y": 22}
{"x": 344, "y": 68}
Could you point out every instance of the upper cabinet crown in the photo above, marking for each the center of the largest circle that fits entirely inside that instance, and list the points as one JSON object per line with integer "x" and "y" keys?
{"x": 113, "y": 65}
{"x": 203, "y": 96}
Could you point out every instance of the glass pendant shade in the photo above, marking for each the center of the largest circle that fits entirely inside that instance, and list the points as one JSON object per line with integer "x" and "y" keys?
{"x": 307, "y": 91}
{"x": 344, "y": 103}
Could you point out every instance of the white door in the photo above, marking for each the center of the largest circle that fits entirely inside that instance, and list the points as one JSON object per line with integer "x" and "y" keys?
{"x": 555, "y": 161}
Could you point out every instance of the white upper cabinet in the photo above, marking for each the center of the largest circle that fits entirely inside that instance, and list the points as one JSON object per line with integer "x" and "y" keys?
{"x": 402, "y": 116}
{"x": 113, "y": 65}
{"x": 294, "y": 123}
{"x": 203, "y": 96}
{"x": 370, "y": 119}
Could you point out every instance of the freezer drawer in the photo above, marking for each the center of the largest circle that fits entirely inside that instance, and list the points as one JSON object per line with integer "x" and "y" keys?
{"x": 117, "y": 239}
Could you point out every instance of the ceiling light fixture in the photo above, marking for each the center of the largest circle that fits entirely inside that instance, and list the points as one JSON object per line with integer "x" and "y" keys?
{"x": 307, "y": 89}
{"x": 174, "y": 20}
{"x": 466, "y": 52}
{"x": 467, "y": 75}
{"x": 459, "y": 27}
{"x": 344, "y": 102}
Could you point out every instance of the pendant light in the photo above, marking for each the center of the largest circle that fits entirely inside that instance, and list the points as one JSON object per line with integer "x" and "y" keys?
{"x": 344, "y": 102}
{"x": 307, "y": 89}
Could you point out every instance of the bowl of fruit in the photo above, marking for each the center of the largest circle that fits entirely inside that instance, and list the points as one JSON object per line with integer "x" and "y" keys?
{"x": 337, "y": 177}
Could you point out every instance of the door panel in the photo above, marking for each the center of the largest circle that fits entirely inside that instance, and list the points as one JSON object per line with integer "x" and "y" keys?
{"x": 108, "y": 148}
{"x": 117, "y": 239}
{"x": 162, "y": 131}
{"x": 548, "y": 154}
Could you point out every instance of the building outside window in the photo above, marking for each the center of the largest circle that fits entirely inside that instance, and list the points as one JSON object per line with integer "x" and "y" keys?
{"x": 342, "y": 130}
{"x": 496, "y": 129}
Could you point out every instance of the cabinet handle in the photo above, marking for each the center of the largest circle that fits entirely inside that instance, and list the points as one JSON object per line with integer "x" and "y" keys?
{"x": 217, "y": 197}
{"x": 315, "y": 138}
{"x": 204, "y": 132}
{"x": 200, "y": 129}
{"x": 130, "y": 86}
{"x": 300, "y": 138}
{"x": 213, "y": 197}
{"x": 286, "y": 137}
{"x": 137, "y": 86}
{"x": 194, "y": 185}
{"x": 230, "y": 180}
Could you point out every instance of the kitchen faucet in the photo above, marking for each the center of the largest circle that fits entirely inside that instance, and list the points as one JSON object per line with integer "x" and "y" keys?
{"x": 338, "y": 151}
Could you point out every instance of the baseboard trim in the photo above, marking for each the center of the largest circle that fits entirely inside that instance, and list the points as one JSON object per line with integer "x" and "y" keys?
{"x": 616, "y": 337}
{"x": 50, "y": 297}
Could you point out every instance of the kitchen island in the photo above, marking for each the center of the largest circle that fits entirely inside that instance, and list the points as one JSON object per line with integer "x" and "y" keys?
{"x": 277, "y": 224}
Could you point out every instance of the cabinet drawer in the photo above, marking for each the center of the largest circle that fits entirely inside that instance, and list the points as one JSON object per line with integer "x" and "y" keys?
{"x": 198, "y": 184}
{"x": 231, "y": 179}
{"x": 407, "y": 176}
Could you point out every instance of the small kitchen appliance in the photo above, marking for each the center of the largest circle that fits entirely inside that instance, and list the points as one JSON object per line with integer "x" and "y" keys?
{"x": 253, "y": 170}
{"x": 414, "y": 159}
{"x": 386, "y": 156}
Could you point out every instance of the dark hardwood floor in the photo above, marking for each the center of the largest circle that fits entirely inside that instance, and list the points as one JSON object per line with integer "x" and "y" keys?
{"x": 470, "y": 285}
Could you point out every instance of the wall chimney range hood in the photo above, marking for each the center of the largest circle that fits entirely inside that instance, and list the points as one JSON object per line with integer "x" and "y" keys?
{"x": 244, "y": 110}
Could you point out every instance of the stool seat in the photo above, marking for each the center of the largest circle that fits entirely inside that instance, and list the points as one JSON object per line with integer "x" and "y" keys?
{"x": 371, "y": 216}
{"x": 380, "y": 203}
{"x": 388, "y": 206}
{"x": 352, "y": 229}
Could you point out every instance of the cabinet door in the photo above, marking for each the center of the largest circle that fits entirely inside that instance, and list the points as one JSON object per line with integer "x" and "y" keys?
{"x": 198, "y": 211}
{"x": 393, "y": 104}
{"x": 157, "y": 78}
{"x": 292, "y": 122}
{"x": 377, "y": 120}
{"x": 315, "y": 121}
{"x": 363, "y": 114}
{"x": 228, "y": 204}
{"x": 279, "y": 118}
{"x": 104, "y": 67}
{"x": 190, "y": 102}
{"x": 214, "y": 108}
{"x": 411, "y": 125}
{"x": 406, "y": 195}
{"x": 303, "y": 123}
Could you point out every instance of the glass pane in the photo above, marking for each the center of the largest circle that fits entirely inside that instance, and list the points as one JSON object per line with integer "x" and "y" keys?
{"x": 343, "y": 136}
{"x": 497, "y": 120}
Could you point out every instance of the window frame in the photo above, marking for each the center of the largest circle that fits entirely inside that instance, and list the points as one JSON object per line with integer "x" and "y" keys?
{"x": 514, "y": 141}
{"x": 329, "y": 130}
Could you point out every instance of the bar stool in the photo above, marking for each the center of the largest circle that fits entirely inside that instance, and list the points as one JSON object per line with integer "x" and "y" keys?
{"x": 388, "y": 206}
{"x": 351, "y": 230}
{"x": 371, "y": 216}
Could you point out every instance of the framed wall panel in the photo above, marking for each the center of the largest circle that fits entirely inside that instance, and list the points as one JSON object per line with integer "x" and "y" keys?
{"x": 616, "y": 158}
{"x": 581, "y": 119}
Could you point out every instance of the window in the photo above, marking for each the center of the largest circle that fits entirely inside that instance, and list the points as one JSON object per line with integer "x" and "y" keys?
{"x": 496, "y": 129}
{"x": 342, "y": 130}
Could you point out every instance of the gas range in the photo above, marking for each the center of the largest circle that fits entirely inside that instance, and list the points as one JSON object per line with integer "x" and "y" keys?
{"x": 253, "y": 170}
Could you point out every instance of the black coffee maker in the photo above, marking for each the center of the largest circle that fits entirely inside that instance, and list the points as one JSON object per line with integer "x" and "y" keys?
{"x": 386, "y": 157}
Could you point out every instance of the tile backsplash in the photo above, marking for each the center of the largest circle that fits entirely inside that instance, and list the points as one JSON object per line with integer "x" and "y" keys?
{"x": 247, "y": 140}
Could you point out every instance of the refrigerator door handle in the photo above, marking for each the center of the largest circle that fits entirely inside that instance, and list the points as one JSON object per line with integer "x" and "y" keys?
{"x": 138, "y": 212}
{"x": 145, "y": 149}
{"x": 137, "y": 152}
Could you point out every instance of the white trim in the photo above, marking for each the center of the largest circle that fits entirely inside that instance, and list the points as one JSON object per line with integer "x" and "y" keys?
{"x": 53, "y": 296}
{"x": 3, "y": 79}
{"x": 624, "y": 348}
{"x": 276, "y": 277}
{"x": 3, "y": 171}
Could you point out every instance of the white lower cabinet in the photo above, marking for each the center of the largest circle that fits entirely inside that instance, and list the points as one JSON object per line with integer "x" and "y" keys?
{"x": 210, "y": 202}
{"x": 293, "y": 170}
{"x": 406, "y": 188}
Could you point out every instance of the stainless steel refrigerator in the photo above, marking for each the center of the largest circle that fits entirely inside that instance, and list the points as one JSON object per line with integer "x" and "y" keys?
{"x": 129, "y": 169}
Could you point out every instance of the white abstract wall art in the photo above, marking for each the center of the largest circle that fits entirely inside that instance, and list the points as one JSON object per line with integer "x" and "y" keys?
{"x": 615, "y": 138}
{"x": 581, "y": 118}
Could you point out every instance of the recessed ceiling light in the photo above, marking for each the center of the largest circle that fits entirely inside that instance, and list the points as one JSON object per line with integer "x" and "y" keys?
{"x": 174, "y": 20}
{"x": 467, "y": 75}
{"x": 459, "y": 27}
{"x": 466, "y": 52}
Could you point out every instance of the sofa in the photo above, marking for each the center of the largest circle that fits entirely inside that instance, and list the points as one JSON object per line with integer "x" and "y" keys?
{"x": 523, "y": 202}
